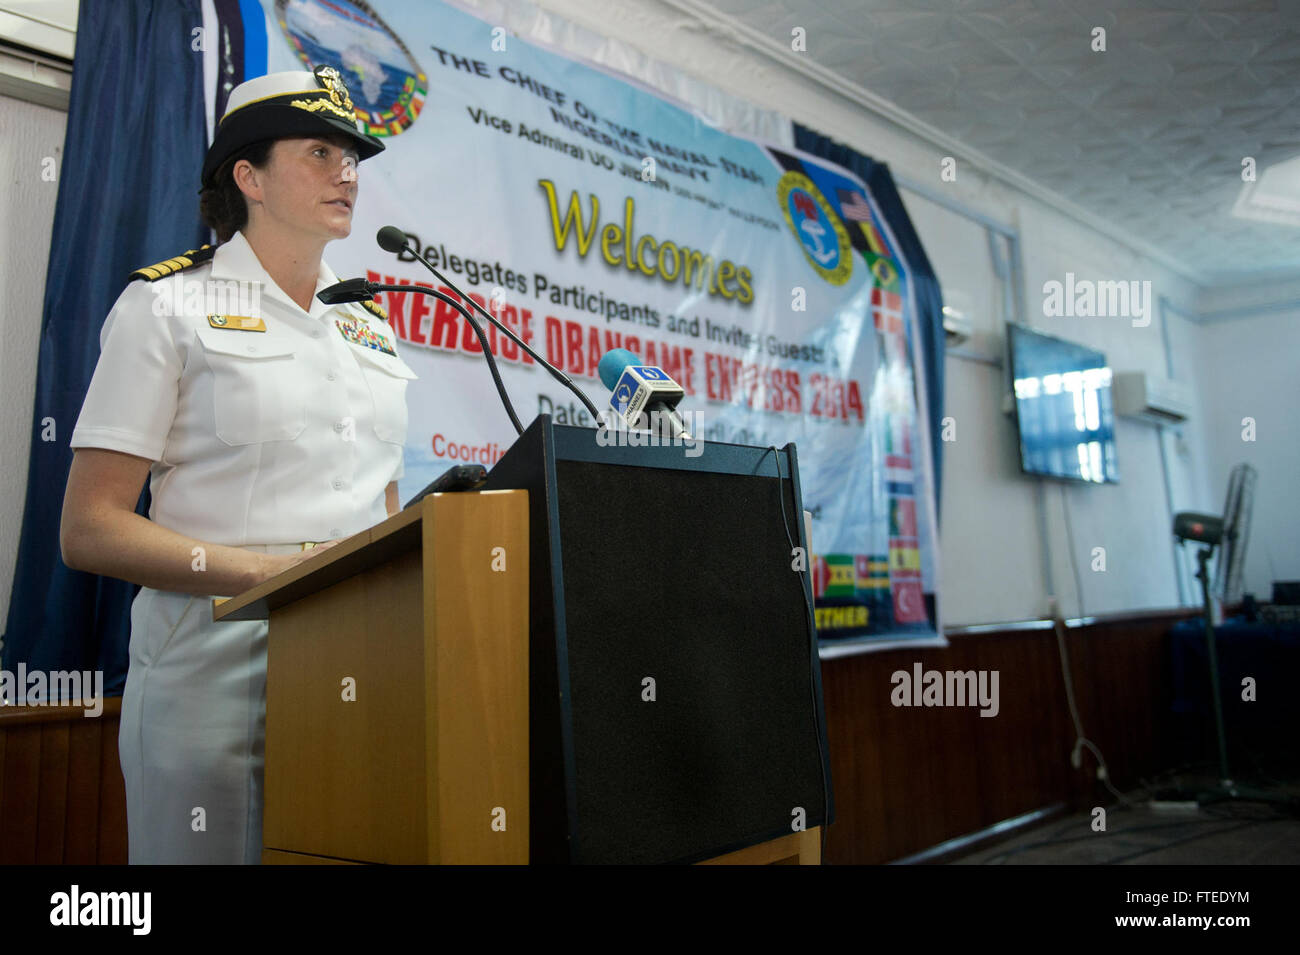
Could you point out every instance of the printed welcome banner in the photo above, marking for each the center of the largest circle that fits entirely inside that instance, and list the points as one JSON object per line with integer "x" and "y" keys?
{"x": 593, "y": 214}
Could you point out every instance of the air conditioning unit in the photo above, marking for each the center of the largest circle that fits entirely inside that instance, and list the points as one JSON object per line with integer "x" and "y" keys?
{"x": 1147, "y": 398}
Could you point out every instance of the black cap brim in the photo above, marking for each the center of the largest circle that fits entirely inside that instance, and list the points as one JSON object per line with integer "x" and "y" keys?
{"x": 263, "y": 121}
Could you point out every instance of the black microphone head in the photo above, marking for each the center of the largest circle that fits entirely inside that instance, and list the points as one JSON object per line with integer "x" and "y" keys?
{"x": 349, "y": 290}
{"x": 391, "y": 239}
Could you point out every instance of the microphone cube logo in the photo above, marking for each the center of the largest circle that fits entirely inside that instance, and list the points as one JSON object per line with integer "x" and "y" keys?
{"x": 630, "y": 396}
{"x": 642, "y": 385}
{"x": 622, "y": 395}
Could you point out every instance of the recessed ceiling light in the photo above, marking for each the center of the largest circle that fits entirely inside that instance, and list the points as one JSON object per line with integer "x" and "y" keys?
{"x": 1274, "y": 196}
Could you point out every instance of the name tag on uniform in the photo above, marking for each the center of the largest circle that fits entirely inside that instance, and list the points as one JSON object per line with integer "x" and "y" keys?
{"x": 238, "y": 323}
{"x": 359, "y": 333}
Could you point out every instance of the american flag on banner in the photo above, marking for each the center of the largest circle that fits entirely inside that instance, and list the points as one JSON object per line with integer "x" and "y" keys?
{"x": 853, "y": 206}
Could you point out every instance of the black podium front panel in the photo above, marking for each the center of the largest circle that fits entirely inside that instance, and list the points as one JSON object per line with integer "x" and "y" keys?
{"x": 676, "y": 693}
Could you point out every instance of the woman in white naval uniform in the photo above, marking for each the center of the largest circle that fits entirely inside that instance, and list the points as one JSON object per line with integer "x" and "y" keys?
{"x": 263, "y": 422}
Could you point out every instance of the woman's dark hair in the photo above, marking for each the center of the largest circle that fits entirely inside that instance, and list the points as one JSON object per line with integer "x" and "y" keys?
{"x": 222, "y": 205}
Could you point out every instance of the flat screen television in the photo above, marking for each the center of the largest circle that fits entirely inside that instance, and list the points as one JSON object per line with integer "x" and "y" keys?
{"x": 1063, "y": 407}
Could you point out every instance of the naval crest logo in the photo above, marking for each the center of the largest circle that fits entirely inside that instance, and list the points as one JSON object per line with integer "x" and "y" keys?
{"x": 377, "y": 78}
{"x": 826, "y": 243}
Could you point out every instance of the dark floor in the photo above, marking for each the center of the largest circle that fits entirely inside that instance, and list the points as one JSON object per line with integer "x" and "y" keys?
{"x": 1228, "y": 832}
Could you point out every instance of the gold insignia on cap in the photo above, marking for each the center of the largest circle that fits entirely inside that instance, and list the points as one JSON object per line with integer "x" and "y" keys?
{"x": 324, "y": 105}
{"x": 338, "y": 100}
{"x": 329, "y": 78}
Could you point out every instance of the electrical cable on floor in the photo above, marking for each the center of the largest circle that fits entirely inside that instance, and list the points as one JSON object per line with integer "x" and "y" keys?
{"x": 1245, "y": 810}
{"x": 1281, "y": 804}
{"x": 1000, "y": 858}
{"x": 1074, "y": 562}
{"x": 1058, "y": 624}
{"x": 1054, "y": 842}
{"x": 1081, "y": 740}
{"x": 1073, "y": 822}
{"x": 1179, "y": 842}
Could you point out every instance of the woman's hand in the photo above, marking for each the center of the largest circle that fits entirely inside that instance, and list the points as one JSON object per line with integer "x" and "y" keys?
{"x": 272, "y": 565}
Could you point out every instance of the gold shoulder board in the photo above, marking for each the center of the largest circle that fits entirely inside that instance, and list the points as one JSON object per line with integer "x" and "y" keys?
{"x": 371, "y": 306}
{"x": 177, "y": 263}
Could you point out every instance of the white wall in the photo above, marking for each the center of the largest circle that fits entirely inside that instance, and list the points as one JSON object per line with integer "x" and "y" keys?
{"x": 996, "y": 564}
{"x": 28, "y": 134}
{"x": 1249, "y": 367}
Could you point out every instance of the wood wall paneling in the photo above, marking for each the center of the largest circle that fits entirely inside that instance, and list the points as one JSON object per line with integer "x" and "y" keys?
{"x": 909, "y": 778}
{"x": 62, "y": 797}
{"x": 905, "y": 778}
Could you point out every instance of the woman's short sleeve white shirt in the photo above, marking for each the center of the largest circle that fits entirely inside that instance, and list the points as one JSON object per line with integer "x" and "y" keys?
{"x": 266, "y": 424}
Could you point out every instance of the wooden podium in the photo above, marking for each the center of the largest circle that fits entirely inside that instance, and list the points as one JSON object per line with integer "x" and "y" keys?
{"x": 397, "y": 690}
{"x": 416, "y": 711}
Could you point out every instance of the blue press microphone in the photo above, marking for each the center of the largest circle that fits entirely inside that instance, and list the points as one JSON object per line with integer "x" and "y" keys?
{"x": 638, "y": 389}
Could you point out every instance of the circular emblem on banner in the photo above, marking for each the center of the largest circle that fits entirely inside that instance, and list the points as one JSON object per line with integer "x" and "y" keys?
{"x": 387, "y": 85}
{"x": 815, "y": 225}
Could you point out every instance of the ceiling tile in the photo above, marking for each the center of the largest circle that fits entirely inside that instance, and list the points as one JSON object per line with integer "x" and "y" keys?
{"x": 1149, "y": 134}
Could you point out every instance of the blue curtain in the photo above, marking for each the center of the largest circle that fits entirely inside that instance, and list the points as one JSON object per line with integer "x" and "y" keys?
{"x": 128, "y": 197}
{"x": 929, "y": 298}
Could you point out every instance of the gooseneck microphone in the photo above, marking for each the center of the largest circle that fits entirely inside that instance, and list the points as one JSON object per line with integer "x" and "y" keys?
{"x": 393, "y": 239}
{"x": 363, "y": 290}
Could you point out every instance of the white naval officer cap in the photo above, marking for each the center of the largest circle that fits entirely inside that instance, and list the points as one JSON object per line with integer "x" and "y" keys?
{"x": 283, "y": 105}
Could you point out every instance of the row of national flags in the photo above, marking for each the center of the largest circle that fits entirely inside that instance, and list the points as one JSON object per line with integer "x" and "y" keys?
{"x": 845, "y": 575}
{"x": 857, "y": 594}
{"x": 888, "y": 586}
